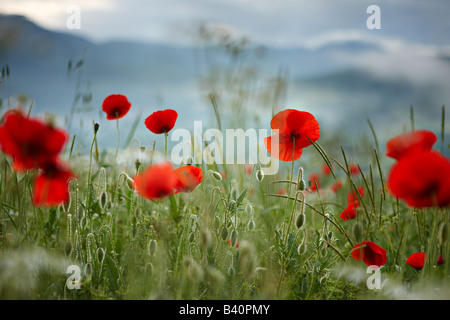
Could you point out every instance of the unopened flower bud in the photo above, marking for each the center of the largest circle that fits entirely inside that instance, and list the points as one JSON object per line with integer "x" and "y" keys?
{"x": 217, "y": 175}
{"x": 224, "y": 233}
{"x": 300, "y": 220}
{"x": 259, "y": 175}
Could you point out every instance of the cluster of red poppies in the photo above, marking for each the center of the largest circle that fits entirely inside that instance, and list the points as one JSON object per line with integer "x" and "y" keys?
{"x": 34, "y": 144}
{"x": 420, "y": 175}
{"x": 158, "y": 180}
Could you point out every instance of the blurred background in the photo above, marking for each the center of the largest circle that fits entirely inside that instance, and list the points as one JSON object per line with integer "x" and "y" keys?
{"x": 253, "y": 57}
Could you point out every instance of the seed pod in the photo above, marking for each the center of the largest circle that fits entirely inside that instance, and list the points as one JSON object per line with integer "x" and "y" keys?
{"x": 68, "y": 248}
{"x": 300, "y": 220}
{"x": 301, "y": 185}
{"x": 217, "y": 175}
{"x": 251, "y": 225}
{"x": 233, "y": 238}
{"x": 358, "y": 231}
{"x": 224, "y": 233}
{"x": 103, "y": 199}
{"x": 130, "y": 184}
{"x": 152, "y": 247}
{"x": 100, "y": 255}
{"x": 443, "y": 233}
{"x": 259, "y": 175}
{"x": 137, "y": 165}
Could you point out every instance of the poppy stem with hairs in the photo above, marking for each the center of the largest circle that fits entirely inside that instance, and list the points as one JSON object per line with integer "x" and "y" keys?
{"x": 118, "y": 143}
{"x": 290, "y": 185}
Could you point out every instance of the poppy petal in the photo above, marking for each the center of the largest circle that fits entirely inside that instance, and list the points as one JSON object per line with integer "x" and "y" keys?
{"x": 415, "y": 141}
{"x": 161, "y": 121}
{"x": 116, "y": 106}
{"x": 188, "y": 178}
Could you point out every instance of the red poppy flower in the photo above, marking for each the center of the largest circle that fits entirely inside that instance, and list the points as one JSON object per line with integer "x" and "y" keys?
{"x": 415, "y": 141}
{"x": 440, "y": 260}
{"x": 417, "y": 260}
{"x": 156, "y": 182}
{"x": 161, "y": 121}
{"x": 350, "y": 212}
{"x": 326, "y": 169}
{"x": 50, "y": 187}
{"x": 353, "y": 196}
{"x": 188, "y": 178}
{"x": 421, "y": 179}
{"x": 30, "y": 142}
{"x": 116, "y": 106}
{"x": 354, "y": 169}
{"x": 369, "y": 252}
{"x": 248, "y": 168}
{"x": 314, "y": 177}
{"x": 294, "y": 129}
{"x": 336, "y": 186}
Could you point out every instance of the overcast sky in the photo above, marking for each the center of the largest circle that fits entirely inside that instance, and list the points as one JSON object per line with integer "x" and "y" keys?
{"x": 269, "y": 22}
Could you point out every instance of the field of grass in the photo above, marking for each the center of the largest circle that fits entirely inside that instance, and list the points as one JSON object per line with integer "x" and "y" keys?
{"x": 239, "y": 235}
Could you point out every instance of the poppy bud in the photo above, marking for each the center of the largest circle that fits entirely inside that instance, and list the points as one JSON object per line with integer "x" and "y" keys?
{"x": 443, "y": 233}
{"x": 100, "y": 255}
{"x": 152, "y": 247}
{"x": 191, "y": 237}
{"x": 231, "y": 271}
{"x": 300, "y": 221}
{"x": 233, "y": 238}
{"x": 301, "y": 185}
{"x": 103, "y": 199}
{"x": 130, "y": 183}
{"x": 224, "y": 233}
{"x": 96, "y": 127}
{"x": 137, "y": 164}
{"x": 249, "y": 209}
{"x": 259, "y": 175}
{"x": 251, "y": 225}
{"x": 217, "y": 175}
